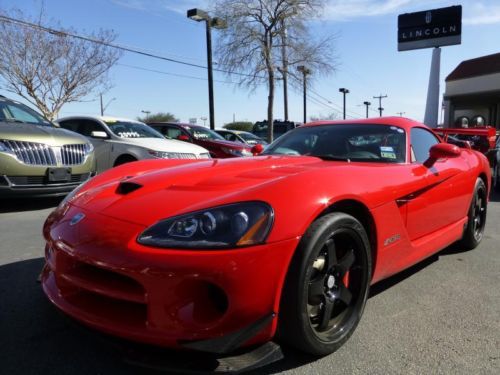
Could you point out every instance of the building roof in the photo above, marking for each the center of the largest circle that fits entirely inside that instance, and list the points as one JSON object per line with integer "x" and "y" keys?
{"x": 476, "y": 67}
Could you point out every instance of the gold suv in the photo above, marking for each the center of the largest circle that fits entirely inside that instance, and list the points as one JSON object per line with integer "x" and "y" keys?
{"x": 36, "y": 157}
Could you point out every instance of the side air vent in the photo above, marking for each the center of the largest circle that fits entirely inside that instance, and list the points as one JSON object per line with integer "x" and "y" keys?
{"x": 127, "y": 187}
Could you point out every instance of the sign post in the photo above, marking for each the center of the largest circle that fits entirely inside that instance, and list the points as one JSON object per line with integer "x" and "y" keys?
{"x": 431, "y": 28}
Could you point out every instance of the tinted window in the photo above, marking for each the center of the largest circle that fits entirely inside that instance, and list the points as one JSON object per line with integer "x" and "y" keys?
{"x": 84, "y": 127}
{"x": 421, "y": 142}
{"x": 70, "y": 125}
{"x": 350, "y": 142}
{"x": 171, "y": 132}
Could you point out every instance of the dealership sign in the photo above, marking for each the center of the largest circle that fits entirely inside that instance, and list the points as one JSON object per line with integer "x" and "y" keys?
{"x": 431, "y": 28}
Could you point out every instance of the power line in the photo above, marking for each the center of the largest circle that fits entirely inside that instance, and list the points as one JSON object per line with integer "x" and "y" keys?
{"x": 171, "y": 74}
{"x": 113, "y": 45}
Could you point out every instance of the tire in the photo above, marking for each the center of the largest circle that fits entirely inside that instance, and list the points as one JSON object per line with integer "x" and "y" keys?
{"x": 496, "y": 177}
{"x": 123, "y": 159}
{"x": 474, "y": 230}
{"x": 327, "y": 285}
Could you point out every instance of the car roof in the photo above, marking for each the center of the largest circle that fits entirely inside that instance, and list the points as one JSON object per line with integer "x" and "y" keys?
{"x": 101, "y": 118}
{"x": 401, "y": 122}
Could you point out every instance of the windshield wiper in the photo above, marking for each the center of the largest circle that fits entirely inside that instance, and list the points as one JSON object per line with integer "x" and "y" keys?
{"x": 332, "y": 158}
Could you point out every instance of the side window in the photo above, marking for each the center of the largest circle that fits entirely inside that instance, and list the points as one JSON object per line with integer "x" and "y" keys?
{"x": 70, "y": 125}
{"x": 172, "y": 132}
{"x": 88, "y": 126}
{"x": 231, "y": 137}
{"x": 421, "y": 142}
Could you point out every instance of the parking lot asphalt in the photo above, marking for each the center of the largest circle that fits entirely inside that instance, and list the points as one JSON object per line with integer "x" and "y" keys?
{"x": 442, "y": 316}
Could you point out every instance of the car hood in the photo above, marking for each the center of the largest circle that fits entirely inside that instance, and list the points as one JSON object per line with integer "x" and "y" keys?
{"x": 188, "y": 186}
{"x": 51, "y": 136}
{"x": 169, "y": 145}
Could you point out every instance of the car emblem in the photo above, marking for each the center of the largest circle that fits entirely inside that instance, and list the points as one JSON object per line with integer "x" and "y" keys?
{"x": 76, "y": 219}
{"x": 428, "y": 17}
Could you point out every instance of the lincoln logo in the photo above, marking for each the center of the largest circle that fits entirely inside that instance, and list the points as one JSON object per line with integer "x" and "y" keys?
{"x": 76, "y": 219}
{"x": 428, "y": 17}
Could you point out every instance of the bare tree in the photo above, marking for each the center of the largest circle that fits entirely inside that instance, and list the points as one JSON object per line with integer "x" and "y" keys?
{"x": 253, "y": 44}
{"x": 49, "y": 69}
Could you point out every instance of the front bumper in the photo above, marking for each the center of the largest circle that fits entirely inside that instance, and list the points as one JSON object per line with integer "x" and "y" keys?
{"x": 97, "y": 273}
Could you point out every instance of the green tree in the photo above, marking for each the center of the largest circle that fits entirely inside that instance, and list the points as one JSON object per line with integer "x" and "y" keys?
{"x": 159, "y": 117}
{"x": 246, "y": 126}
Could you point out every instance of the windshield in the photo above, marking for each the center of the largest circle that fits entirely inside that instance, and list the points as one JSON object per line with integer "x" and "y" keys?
{"x": 349, "y": 142}
{"x": 11, "y": 111}
{"x": 249, "y": 137}
{"x": 125, "y": 129}
{"x": 203, "y": 133}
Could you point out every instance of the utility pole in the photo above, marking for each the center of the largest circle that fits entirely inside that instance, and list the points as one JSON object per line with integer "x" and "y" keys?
{"x": 344, "y": 91}
{"x": 102, "y": 107}
{"x": 380, "y": 97}
{"x": 367, "y": 104}
{"x": 305, "y": 72}
{"x": 400, "y": 113}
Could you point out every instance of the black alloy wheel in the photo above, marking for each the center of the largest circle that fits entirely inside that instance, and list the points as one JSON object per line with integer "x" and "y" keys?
{"x": 474, "y": 231}
{"x": 327, "y": 285}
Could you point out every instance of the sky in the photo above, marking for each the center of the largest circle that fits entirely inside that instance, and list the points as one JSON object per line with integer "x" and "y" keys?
{"x": 365, "y": 45}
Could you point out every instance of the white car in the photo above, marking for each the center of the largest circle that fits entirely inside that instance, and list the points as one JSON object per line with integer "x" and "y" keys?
{"x": 117, "y": 141}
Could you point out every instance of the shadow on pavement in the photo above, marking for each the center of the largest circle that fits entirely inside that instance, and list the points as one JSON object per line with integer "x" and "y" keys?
{"x": 28, "y": 204}
{"x": 37, "y": 339}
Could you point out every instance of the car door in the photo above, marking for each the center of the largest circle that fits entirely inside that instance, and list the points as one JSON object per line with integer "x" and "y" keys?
{"x": 441, "y": 197}
{"x": 102, "y": 146}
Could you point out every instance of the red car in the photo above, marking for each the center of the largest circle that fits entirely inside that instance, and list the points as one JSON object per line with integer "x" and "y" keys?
{"x": 218, "y": 255}
{"x": 206, "y": 138}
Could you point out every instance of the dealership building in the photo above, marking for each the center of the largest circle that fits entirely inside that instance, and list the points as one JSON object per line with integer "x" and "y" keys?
{"x": 472, "y": 94}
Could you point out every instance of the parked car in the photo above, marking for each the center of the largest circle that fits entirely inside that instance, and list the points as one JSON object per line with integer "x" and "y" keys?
{"x": 36, "y": 157}
{"x": 241, "y": 136}
{"x": 219, "y": 256}
{"x": 118, "y": 141}
{"x": 279, "y": 128}
{"x": 213, "y": 142}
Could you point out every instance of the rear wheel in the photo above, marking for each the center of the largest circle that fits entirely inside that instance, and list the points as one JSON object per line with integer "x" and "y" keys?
{"x": 327, "y": 285}
{"x": 473, "y": 233}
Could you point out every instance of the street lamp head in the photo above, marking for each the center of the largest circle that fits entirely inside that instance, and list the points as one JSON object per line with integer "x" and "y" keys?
{"x": 303, "y": 69}
{"x": 367, "y": 103}
{"x": 197, "y": 15}
{"x": 344, "y": 90}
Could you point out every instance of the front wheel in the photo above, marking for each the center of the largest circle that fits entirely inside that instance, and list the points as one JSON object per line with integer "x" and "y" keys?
{"x": 327, "y": 285}
{"x": 473, "y": 232}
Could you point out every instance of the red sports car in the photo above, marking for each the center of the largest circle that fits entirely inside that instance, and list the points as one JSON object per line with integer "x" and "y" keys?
{"x": 216, "y": 255}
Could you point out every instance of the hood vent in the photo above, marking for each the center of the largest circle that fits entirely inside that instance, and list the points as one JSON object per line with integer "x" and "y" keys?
{"x": 127, "y": 187}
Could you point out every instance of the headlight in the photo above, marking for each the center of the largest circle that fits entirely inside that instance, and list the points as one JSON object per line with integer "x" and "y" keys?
{"x": 229, "y": 226}
{"x": 88, "y": 148}
{"x": 171, "y": 155}
{"x": 5, "y": 148}
{"x": 237, "y": 152}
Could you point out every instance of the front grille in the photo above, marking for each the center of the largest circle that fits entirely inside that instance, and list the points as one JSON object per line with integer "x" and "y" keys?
{"x": 32, "y": 153}
{"x": 42, "y": 180}
{"x": 181, "y": 155}
{"x": 72, "y": 154}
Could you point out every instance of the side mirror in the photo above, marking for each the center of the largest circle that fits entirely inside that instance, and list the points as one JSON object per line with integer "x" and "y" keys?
{"x": 99, "y": 134}
{"x": 257, "y": 149}
{"x": 441, "y": 151}
{"x": 183, "y": 137}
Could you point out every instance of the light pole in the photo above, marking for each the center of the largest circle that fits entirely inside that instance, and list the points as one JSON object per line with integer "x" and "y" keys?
{"x": 305, "y": 71}
{"x": 344, "y": 91}
{"x": 367, "y": 105}
{"x": 218, "y": 23}
{"x": 103, "y": 107}
{"x": 146, "y": 112}
{"x": 400, "y": 113}
{"x": 203, "y": 119}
